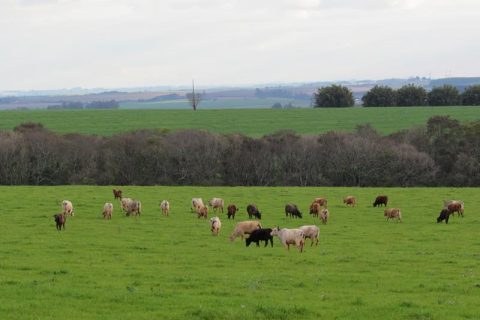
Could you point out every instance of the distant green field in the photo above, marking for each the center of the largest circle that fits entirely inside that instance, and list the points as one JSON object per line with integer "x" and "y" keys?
{"x": 230, "y": 103}
{"x": 156, "y": 267}
{"x": 253, "y": 122}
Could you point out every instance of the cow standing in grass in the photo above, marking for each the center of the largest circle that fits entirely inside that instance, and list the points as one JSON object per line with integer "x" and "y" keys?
{"x": 380, "y": 200}
{"x": 60, "y": 220}
{"x": 107, "y": 210}
{"x": 231, "y": 211}
{"x": 292, "y": 211}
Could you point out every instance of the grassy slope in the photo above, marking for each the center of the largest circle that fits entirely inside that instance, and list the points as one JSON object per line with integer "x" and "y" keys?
{"x": 254, "y": 122}
{"x": 172, "y": 268}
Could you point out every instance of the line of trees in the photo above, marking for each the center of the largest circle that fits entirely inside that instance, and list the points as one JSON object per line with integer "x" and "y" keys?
{"x": 442, "y": 153}
{"x": 408, "y": 95}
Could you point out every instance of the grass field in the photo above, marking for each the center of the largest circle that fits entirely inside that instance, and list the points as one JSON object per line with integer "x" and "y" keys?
{"x": 228, "y": 103}
{"x": 253, "y": 122}
{"x": 156, "y": 267}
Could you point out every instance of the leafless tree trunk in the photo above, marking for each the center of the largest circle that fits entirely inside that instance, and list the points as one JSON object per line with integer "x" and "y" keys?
{"x": 194, "y": 98}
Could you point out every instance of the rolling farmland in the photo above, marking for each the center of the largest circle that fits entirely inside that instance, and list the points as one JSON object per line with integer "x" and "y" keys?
{"x": 253, "y": 122}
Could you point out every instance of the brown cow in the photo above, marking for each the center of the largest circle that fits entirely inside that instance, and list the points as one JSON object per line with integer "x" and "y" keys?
{"x": 60, "y": 220}
{"x": 393, "y": 213}
{"x": 231, "y": 210}
{"x": 202, "y": 212}
{"x": 321, "y": 201}
{"x": 117, "y": 194}
{"x": 379, "y": 200}
{"x": 315, "y": 209}
{"x": 350, "y": 201}
{"x": 454, "y": 206}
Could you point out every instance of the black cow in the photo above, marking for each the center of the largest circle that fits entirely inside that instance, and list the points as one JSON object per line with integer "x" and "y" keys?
{"x": 292, "y": 211}
{"x": 259, "y": 235}
{"x": 252, "y": 211}
{"x": 444, "y": 215}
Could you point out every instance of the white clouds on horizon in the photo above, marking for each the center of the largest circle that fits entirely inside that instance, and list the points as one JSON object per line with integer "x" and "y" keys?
{"x": 67, "y": 43}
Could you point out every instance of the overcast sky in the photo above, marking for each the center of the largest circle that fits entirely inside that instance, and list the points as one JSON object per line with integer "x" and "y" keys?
{"x": 51, "y": 44}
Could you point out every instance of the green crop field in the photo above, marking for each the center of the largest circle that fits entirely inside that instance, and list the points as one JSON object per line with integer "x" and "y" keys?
{"x": 253, "y": 122}
{"x": 156, "y": 267}
{"x": 220, "y": 103}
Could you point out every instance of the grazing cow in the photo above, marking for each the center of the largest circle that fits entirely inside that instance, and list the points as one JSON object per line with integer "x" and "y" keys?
{"x": 290, "y": 236}
{"x": 244, "y": 227}
{"x": 117, "y": 194}
{"x": 315, "y": 209}
{"x": 350, "y": 201}
{"x": 215, "y": 225}
{"x": 444, "y": 215}
{"x": 124, "y": 202}
{"x": 107, "y": 210}
{"x": 165, "y": 206}
{"x": 216, "y": 203}
{"x": 196, "y": 203}
{"x": 393, "y": 213}
{"x": 379, "y": 200}
{"x": 312, "y": 232}
{"x": 231, "y": 210}
{"x": 67, "y": 208}
{"x": 292, "y": 211}
{"x": 131, "y": 206}
{"x": 321, "y": 201}
{"x": 252, "y": 211}
{"x": 454, "y": 206}
{"x": 60, "y": 220}
{"x": 324, "y": 214}
{"x": 202, "y": 212}
{"x": 260, "y": 235}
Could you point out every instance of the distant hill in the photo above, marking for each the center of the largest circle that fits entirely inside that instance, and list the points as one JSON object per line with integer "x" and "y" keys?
{"x": 259, "y": 96}
{"x": 460, "y": 83}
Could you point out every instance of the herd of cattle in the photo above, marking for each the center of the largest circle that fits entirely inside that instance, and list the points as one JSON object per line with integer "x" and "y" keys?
{"x": 253, "y": 228}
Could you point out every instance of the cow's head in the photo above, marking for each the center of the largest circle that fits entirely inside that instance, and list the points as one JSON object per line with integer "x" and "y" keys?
{"x": 274, "y": 231}
{"x": 443, "y": 215}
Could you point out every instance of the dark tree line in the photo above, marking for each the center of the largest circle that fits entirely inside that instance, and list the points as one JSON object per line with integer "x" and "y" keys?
{"x": 411, "y": 95}
{"x": 444, "y": 152}
{"x": 335, "y": 96}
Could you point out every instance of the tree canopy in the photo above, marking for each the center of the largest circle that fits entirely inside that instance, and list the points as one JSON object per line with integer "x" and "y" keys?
{"x": 411, "y": 95}
{"x": 446, "y": 95}
{"x": 334, "y": 96}
{"x": 380, "y": 96}
{"x": 471, "y": 96}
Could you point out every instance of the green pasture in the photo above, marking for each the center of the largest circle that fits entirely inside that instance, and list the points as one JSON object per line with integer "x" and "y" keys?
{"x": 253, "y": 122}
{"x": 156, "y": 267}
{"x": 220, "y": 103}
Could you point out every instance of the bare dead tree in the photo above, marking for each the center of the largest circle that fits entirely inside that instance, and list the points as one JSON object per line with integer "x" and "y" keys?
{"x": 194, "y": 98}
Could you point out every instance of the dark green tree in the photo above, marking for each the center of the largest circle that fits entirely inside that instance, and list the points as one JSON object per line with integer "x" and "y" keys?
{"x": 471, "y": 96}
{"x": 334, "y": 96}
{"x": 380, "y": 96}
{"x": 446, "y": 95}
{"x": 411, "y": 95}
{"x": 446, "y": 137}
